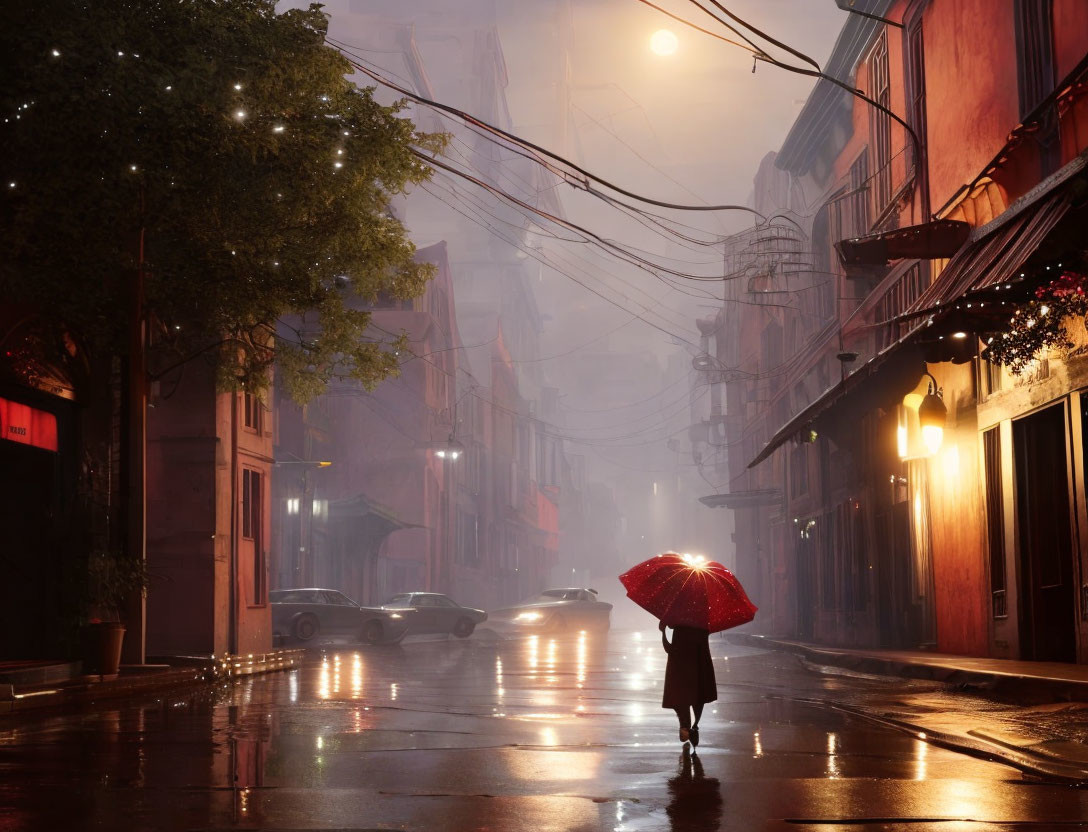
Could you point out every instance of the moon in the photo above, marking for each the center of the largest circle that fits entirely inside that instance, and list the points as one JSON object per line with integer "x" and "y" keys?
{"x": 664, "y": 42}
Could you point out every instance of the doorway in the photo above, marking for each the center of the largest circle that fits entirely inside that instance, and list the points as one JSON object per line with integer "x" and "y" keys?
{"x": 807, "y": 550}
{"x": 1047, "y": 595}
{"x": 895, "y": 610}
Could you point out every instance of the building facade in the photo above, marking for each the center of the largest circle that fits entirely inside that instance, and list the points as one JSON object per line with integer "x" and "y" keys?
{"x": 922, "y": 235}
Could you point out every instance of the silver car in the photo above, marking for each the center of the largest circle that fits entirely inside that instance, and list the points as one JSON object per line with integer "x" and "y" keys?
{"x": 304, "y": 614}
{"x": 437, "y": 613}
{"x": 556, "y": 610}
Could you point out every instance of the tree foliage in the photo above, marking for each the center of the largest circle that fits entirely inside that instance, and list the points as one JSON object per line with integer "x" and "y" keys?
{"x": 232, "y": 136}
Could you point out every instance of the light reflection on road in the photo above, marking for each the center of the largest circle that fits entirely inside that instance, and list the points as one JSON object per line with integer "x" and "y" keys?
{"x": 552, "y": 723}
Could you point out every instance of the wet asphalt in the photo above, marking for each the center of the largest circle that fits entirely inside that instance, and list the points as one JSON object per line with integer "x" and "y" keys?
{"x": 519, "y": 733}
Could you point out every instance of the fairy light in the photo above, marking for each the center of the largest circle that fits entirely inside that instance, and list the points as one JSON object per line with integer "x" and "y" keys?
{"x": 241, "y": 114}
{"x": 56, "y": 53}
{"x": 279, "y": 128}
{"x": 238, "y": 87}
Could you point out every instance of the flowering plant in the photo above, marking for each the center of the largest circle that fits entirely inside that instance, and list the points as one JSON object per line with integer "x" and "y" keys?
{"x": 1040, "y": 323}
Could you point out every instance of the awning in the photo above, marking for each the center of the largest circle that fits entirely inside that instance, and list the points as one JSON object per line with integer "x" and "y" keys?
{"x": 744, "y": 499}
{"x": 900, "y": 366}
{"x": 995, "y": 251}
{"x": 937, "y": 239}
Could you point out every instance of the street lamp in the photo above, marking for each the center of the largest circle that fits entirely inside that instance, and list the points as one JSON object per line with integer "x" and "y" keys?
{"x": 451, "y": 450}
{"x": 932, "y": 416}
{"x": 316, "y": 463}
{"x": 664, "y": 43}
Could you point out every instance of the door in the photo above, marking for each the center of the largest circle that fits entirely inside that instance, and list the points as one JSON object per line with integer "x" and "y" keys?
{"x": 341, "y": 614}
{"x": 1047, "y": 596}
{"x": 805, "y": 593}
{"x": 426, "y": 617}
{"x": 895, "y": 602}
{"x": 447, "y": 612}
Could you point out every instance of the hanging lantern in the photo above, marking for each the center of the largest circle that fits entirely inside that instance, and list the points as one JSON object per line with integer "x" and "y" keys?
{"x": 932, "y": 415}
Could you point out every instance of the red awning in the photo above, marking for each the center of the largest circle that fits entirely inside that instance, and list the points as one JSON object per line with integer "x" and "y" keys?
{"x": 996, "y": 250}
{"x": 27, "y": 425}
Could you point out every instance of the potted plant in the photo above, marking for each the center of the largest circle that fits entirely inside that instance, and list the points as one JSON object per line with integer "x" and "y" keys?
{"x": 111, "y": 579}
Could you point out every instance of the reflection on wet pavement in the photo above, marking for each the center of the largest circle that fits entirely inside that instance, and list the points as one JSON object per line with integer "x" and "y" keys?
{"x": 538, "y": 732}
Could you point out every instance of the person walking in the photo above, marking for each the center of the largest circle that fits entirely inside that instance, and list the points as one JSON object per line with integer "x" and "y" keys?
{"x": 689, "y": 678}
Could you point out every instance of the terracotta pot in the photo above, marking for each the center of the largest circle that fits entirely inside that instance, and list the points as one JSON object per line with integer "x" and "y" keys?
{"x": 102, "y": 647}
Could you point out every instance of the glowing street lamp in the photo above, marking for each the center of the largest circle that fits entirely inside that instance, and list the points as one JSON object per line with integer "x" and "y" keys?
{"x": 664, "y": 43}
{"x": 932, "y": 416}
{"x": 451, "y": 450}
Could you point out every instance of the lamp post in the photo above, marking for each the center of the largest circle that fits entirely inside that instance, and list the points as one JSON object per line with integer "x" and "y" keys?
{"x": 449, "y": 452}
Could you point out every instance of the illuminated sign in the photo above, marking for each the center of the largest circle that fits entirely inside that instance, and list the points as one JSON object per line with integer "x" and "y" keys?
{"x": 28, "y": 425}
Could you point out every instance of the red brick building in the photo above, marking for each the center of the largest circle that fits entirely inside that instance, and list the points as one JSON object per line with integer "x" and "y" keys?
{"x": 850, "y": 527}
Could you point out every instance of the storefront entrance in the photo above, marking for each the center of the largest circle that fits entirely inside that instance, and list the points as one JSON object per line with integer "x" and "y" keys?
{"x": 33, "y": 584}
{"x": 1047, "y": 595}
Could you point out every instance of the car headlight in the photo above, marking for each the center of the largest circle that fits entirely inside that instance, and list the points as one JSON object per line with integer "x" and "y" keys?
{"x": 395, "y": 615}
{"x": 528, "y": 616}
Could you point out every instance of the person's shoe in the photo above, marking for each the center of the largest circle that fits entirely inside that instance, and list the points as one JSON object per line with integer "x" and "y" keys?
{"x": 685, "y": 735}
{"x": 694, "y": 735}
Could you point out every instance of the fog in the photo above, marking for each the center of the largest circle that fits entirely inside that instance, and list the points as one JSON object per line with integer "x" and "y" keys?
{"x": 588, "y": 355}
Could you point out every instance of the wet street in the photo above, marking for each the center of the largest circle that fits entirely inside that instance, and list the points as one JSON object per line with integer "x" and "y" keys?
{"x": 527, "y": 733}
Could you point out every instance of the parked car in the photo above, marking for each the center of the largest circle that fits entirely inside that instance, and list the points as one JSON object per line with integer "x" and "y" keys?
{"x": 303, "y": 614}
{"x": 436, "y": 613}
{"x": 555, "y": 610}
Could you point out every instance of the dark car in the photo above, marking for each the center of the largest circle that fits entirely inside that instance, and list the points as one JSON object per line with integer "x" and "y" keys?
{"x": 438, "y": 614}
{"x": 556, "y": 610}
{"x": 303, "y": 614}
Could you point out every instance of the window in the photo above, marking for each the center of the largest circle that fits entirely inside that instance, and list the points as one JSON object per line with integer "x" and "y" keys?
{"x": 1036, "y": 74}
{"x": 995, "y": 520}
{"x": 443, "y": 601}
{"x": 1035, "y": 52}
{"x": 468, "y": 544}
{"x": 251, "y": 412}
{"x": 338, "y": 599}
{"x": 799, "y": 471}
{"x": 424, "y": 601}
{"x": 399, "y": 599}
{"x": 895, "y": 302}
{"x": 824, "y": 265}
{"x": 990, "y": 377}
{"x": 915, "y": 74}
{"x": 859, "y": 217}
{"x": 252, "y": 503}
{"x": 880, "y": 126}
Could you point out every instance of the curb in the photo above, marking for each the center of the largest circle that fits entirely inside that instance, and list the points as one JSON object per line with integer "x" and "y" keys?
{"x": 1023, "y": 689}
{"x": 185, "y": 672}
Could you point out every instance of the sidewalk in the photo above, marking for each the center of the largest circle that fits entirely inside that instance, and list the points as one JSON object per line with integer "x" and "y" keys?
{"x": 1027, "y": 682}
{"x": 174, "y": 673}
{"x": 1037, "y": 722}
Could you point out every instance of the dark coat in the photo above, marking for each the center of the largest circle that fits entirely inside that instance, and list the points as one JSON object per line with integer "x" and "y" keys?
{"x": 689, "y": 673}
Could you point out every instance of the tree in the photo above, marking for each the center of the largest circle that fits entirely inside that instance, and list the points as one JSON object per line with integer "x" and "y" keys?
{"x": 231, "y": 136}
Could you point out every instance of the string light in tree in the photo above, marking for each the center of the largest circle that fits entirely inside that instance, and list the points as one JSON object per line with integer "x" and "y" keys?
{"x": 1041, "y": 322}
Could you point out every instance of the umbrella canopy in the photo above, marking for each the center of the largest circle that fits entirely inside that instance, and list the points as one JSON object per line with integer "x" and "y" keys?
{"x": 689, "y": 591}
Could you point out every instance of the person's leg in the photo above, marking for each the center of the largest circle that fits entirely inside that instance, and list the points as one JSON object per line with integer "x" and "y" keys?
{"x": 693, "y": 731}
{"x": 684, "y": 715}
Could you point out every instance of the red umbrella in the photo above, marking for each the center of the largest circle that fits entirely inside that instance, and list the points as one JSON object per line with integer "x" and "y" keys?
{"x": 689, "y": 591}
